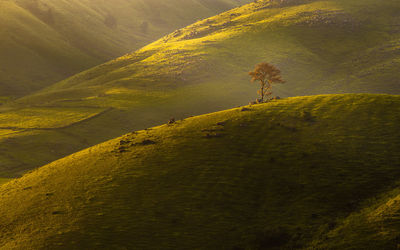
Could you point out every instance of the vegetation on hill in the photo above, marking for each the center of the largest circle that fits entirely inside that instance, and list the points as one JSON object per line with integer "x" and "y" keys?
{"x": 374, "y": 227}
{"x": 331, "y": 46}
{"x": 266, "y": 74}
{"x": 294, "y": 173}
{"x": 44, "y": 41}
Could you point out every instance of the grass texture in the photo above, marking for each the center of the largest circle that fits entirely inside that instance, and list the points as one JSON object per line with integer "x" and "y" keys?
{"x": 306, "y": 172}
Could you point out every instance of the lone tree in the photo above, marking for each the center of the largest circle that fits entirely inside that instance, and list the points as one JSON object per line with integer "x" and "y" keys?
{"x": 266, "y": 74}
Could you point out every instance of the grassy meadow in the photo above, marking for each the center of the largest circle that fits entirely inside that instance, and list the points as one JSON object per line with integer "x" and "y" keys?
{"x": 301, "y": 172}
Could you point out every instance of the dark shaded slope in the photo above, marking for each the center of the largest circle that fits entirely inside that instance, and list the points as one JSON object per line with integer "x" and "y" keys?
{"x": 274, "y": 175}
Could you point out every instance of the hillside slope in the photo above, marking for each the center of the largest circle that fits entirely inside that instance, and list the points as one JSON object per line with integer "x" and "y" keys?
{"x": 321, "y": 46}
{"x": 278, "y": 175}
{"x": 332, "y": 46}
{"x": 376, "y": 226}
{"x": 44, "y": 41}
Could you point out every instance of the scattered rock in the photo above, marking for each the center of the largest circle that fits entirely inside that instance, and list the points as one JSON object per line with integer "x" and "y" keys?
{"x": 212, "y": 130}
{"x": 56, "y": 212}
{"x": 122, "y": 150}
{"x": 245, "y": 109}
{"x": 172, "y": 120}
{"x": 216, "y": 135}
{"x": 147, "y": 142}
{"x": 123, "y": 142}
{"x": 221, "y": 123}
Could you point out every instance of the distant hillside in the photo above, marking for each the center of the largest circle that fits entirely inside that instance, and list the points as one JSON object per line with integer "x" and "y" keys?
{"x": 316, "y": 172}
{"x": 321, "y": 46}
{"x": 44, "y": 41}
{"x": 332, "y": 46}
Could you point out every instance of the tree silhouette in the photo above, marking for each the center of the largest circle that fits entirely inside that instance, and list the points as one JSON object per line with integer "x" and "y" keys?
{"x": 267, "y": 74}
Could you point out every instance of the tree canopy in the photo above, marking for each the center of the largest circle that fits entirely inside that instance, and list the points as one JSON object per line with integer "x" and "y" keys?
{"x": 267, "y": 74}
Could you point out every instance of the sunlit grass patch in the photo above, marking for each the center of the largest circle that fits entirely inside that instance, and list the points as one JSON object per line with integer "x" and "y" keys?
{"x": 40, "y": 118}
{"x": 4, "y": 132}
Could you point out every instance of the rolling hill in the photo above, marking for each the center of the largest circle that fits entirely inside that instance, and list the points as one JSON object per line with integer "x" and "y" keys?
{"x": 333, "y": 46}
{"x": 44, "y": 41}
{"x": 312, "y": 172}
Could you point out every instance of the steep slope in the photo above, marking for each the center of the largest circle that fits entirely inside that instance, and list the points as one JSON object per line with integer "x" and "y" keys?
{"x": 44, "y": 41}
{"x": 329, "y": 46}
{"x": 278, "y": 176}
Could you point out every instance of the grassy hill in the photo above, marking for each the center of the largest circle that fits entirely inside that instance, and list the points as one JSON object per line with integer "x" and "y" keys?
{"x": 332, "y": 46}
{"x": 303, "y": 172}
{"x": 342, "y": 45}
{"x": 375, "y": 227}
{"x": 44, "y": 41}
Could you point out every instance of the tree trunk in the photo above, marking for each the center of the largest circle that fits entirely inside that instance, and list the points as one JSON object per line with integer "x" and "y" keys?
{"x": 269, "y": 87}
{"x": 262, "y": 91}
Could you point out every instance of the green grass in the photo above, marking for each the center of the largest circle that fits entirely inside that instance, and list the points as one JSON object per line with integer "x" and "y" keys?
{"x": 333, "y": 46}
{"x": 286, "y": 174}
{"x": 375, "y": 226}
{"x": 43, "y": 41}
{"x": 42, "y": 118}
{"x": 317, "y": 44}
